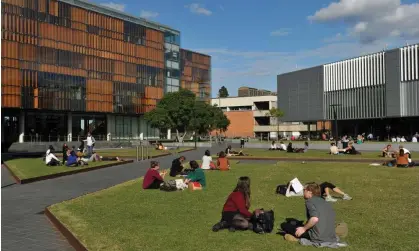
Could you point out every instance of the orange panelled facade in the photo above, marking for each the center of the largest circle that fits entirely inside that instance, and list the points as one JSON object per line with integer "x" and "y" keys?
{"x": 57, "y": 56}
{"x": 241, "y": 124}
{"x": 196, "y": 73}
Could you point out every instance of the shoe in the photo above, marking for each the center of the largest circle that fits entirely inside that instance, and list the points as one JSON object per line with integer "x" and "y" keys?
{"x": 289, "y": 237}
{"x": 342, "y": 230}
{"x": 220, "y": 225}
{"x": 347, "y": 197}
{"x": 330, "y": 199}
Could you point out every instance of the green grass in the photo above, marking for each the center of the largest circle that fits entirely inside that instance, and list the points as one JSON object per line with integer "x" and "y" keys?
{"x": 382, "y": 215}
{"x": 132, "y": 152}
{"x": 30, "y": 168}
{"x": 310, "y": 154}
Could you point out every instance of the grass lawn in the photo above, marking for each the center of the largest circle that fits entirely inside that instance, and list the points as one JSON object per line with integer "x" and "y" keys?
{"x": 310, "y": 154}
{"x": 29, "y": 168}
{"x": 382, "y": 215}
{"x": 132, "y": 152}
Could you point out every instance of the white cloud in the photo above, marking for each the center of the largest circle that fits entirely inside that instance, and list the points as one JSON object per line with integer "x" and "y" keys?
{"x": 116, "y": 6}
{"x": 372, "y": 20}
{"x": 148, "y": 14}
{"x": 198, "y": 9}
{"x": 280, "y": 33}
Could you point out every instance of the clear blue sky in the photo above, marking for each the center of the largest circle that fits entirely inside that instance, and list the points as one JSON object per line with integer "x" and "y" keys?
{"x": 252, "y": 41}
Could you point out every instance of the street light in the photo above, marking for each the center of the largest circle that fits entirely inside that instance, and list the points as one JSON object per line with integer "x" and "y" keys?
{"x": 388, "y": 128}
{"x": 335, "y": 116}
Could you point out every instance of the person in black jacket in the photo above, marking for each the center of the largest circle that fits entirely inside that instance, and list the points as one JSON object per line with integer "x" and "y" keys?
{"x": 177, "y": 166}
{"x": 65, "y": 149}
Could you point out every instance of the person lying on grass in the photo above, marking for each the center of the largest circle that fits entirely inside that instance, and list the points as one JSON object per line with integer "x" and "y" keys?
{"x": 325, "y": 189}
{"x": 222, "y": 163}
{"x": 320, "y": 227}
{"x": 50, "y": 158}
{"x": 235, "y": 214}
{"x": 230, "y": 152}
{"x": 177, "y": 166}
{"x": 96, "y": 157}
{"x": 153, "y": 178}
{"x": 207, "y": 163}
{"x": 197, "y": 175}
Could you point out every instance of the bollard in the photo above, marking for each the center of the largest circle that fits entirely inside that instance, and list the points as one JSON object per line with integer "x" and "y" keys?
{"x": 142, "y": 152}
{"x": 137, "y": 152}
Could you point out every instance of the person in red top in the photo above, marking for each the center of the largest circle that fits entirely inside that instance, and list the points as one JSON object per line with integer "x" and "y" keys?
{"x": 236, "y": 213}
{"x": 153, "y": 178}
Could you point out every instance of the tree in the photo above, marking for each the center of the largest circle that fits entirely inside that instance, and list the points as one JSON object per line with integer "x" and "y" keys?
{"x": 276, "y": 113}
{"x": 174, "y": 111}
{"x": 223, "y": 92}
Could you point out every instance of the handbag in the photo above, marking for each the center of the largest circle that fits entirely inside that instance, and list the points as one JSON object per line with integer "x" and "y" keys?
{"x": 264, "y": 222}
{"x": 194, "y": 186}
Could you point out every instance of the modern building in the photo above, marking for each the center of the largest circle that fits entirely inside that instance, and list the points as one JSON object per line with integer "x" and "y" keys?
{"x": 196, "y": 73}
{"x": 249, "y": 117}
{"x": 376, "y": 93}
{"x": 70, "y": 67}
{"x": 245, "y": 91}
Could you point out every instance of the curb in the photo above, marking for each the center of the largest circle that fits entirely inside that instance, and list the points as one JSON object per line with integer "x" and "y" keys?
{"x": 304, "y": 159}
{"x": 72, "y": 240}
{"x": 56, "y": 175}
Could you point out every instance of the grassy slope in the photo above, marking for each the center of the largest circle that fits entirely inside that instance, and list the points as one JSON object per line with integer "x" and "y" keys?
{"x": 29, "y": 168}
{"x": 125, "y": 217}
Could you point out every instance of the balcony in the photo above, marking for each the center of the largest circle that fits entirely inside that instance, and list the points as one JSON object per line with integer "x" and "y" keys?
{"x": 283, "y": 128}
{"x": 260, "y": 113}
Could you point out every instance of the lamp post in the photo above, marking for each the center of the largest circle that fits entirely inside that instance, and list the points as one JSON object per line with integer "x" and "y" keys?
{"x": 335, "y": 117}
{"x": 388, "y": 128}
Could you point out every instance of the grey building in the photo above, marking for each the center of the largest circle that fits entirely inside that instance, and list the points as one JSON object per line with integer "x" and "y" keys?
{"x": 376, "y": 93}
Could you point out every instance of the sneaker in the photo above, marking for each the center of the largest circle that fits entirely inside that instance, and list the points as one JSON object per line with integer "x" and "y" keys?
{"x": 342, "y": 230}
{"x": 347, "y": 197}
{"x": 330, "y": 199}
{"x": 289, "y": 237}
{"x": 217, "y": 227}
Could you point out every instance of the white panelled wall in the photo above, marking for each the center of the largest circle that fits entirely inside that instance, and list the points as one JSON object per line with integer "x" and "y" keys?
{"x": 409, "y": 77}
{"x": 357, "y": 85}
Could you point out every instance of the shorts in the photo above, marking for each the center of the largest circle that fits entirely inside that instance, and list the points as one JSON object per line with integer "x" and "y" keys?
{"x": 325, "y": 185}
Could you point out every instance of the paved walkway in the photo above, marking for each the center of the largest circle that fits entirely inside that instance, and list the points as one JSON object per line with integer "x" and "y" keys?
{"x": 25, "y": 227}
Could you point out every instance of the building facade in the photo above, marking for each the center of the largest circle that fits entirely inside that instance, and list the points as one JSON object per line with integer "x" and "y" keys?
{"x": 249, "y": 117}
{"x": 70, "y": 67}
{"x": 196, "y": 73}
{"x": 371, "y": 93}
{"x": 245, "y": 91}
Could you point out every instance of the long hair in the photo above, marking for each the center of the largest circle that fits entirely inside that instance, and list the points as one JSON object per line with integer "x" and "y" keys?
{"x": 194, "y": 165}
{"x": 207, "y": 153}
{"x": 243, "y": 186}
{"x": 221, "y": 155}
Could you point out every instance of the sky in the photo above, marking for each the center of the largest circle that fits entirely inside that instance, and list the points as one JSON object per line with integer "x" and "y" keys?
{"x": 251, "y": 42}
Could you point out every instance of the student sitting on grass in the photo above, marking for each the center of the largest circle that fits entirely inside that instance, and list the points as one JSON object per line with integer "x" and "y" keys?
{"x": 207, "y": 163}
{"x": 297, "y": 150}
{"x": 72, "y": 159}
{"x": 65, "y": 149}
{"x": 282, "y": 146}
{"x": 273, "y": 146}
{"x": 235, "y": 214}
{"x": 159, "y": 146}
{"x": 222, "y": 163}
{"x": 319, "y": 231}
{"x": 153, "y": 179}
{"x": 230, "y": 152}
{"x": 177, "y": 166}
{"x": 351, "y": 149}
{"x": 50, "y": 158}
{"x": 197, "y": 175}
{"x": 387, "y": 152}
{"x": 402, "y": 159}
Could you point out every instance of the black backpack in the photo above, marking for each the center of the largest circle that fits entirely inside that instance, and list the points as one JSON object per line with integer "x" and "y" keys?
{"x": 281, "y": 189}
{"x": 168, "y": 186}
{"x": 264, "y": 222}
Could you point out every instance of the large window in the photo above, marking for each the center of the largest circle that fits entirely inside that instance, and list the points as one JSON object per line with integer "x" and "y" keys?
{"x": 171, "y": 38}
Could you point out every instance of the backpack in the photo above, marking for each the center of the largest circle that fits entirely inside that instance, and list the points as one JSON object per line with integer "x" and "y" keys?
{"x": 169, "y": 186}
{"x": 264, "y": 222}
{"x": 281, "y": 189}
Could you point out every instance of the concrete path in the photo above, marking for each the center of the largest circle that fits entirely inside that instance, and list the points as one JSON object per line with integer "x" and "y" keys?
{"x": 24, "y": 226}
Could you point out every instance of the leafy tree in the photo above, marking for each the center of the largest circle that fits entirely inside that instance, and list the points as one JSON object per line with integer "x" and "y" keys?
{"x": 223, "y": 92}
{"x": 174, "y": 111}
{"x": 278, "y": 114}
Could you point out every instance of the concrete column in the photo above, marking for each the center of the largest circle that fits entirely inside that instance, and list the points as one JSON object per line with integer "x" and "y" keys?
{"x": 69, "y": 127}
{"x": 109, "y": 123}
{"x": 169, "y": 133}
{"x": 21, "y": 126}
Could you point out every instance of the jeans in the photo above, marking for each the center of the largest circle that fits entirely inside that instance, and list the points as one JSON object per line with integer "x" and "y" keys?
{"x": 89, "y": 150}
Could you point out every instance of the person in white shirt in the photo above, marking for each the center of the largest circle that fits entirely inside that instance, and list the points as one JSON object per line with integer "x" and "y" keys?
{"x": 273, "y": 146}
{"x": 282, "y": 146}
{"x": 406, "y": 152}
{"x": 90, "y": 141}
{"x": 414, "y": 139}
{"x": 402, "y": 139}
{"x": 50, "y": 158}
{"x": 207, "y": 163}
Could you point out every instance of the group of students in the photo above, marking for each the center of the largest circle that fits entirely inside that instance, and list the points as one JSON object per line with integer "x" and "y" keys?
{"x": 320, "y": 229}
{"x": 288, "y": 148}
{"x": 402, "y": 158}
{"x": 350, "y": 149}
{"x": 153, "y": 179}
